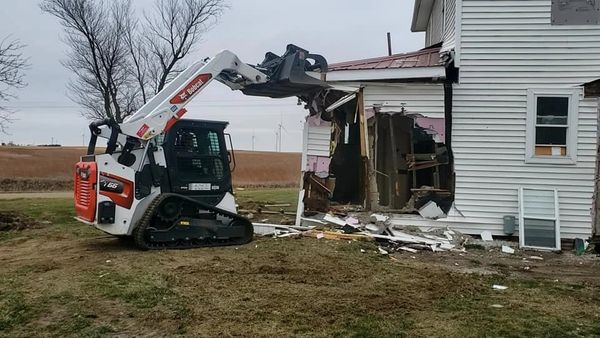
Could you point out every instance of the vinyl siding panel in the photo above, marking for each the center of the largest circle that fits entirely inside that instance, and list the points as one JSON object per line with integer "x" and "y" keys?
{"x": 435, "y": 27}
{"x": 441, "y": 26}
{"x": 317, "y": 140}
{"x": 417, "y": 98}
{"x": 508, "y": 47}
{"x": 449, "y": 25}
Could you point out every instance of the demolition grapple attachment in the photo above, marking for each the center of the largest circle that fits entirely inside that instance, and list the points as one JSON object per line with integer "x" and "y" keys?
{"x": 288, "y": 74}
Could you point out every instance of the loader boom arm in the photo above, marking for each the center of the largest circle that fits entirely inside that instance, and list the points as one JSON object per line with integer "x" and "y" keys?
{"x": 164, "y": 109}
{"x": 276, "y": 77}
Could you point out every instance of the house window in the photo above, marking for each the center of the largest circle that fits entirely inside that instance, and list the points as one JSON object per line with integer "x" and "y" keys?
{"x": 539, "y": 221}
{"x": 552, "y": 126}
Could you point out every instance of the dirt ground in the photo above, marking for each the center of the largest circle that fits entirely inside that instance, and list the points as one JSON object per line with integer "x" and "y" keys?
{"x": 51, "y": 169}
{"x": 67, "y": 279}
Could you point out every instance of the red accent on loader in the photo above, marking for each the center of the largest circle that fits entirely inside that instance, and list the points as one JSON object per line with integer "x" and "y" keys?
{"x": 85, "y": 190}
{"x": 174, "y": 119}
{"x": 143, "y": 129}
{"x": 124, "y": 198}
{"x": 191, "y": 88}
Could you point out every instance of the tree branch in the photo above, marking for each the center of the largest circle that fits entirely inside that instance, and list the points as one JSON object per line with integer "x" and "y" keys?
{"x": 12, "y": 67}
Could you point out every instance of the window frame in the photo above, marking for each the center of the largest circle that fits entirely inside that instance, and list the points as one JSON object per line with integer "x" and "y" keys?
{"x": 572, "y": 126}
{"x": 523, "y": 216}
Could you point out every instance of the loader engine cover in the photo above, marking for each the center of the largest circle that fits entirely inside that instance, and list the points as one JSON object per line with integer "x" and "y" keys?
{"x": 85, "y": 189}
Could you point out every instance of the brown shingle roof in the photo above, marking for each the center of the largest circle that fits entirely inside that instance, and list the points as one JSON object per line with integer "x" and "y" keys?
{"x": 428, "y": 57}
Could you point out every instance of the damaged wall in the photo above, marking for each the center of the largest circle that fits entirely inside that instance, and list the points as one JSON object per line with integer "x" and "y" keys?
{"x": 426, "y": 100}
{"x": 315, "y": 163}
{"x": 316, "y": 139}
{"x": 418, "y": 98}
{"x": 332, "y": 165}
{"x": 357, "y": 181}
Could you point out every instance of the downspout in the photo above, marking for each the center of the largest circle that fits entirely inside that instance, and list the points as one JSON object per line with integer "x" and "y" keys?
{"x": 451, "y": 78}
{"x": 595, "y": 224}
{"x": 448, "y": 92}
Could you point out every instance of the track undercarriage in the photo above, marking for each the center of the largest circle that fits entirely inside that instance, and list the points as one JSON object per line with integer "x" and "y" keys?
{"x": 174, "y": 221}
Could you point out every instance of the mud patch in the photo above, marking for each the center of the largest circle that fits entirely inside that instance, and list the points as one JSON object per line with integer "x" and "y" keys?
{"x": 14, "y": 221}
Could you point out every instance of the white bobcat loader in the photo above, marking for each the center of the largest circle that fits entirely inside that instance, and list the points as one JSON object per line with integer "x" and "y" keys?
{"x": 166, "y": 181}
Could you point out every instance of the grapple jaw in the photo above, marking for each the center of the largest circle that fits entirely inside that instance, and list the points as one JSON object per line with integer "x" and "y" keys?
{"x": 287, "y": 74}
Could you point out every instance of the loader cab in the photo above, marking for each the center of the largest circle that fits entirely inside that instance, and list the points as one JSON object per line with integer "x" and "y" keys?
{"x": 197, "y": 160}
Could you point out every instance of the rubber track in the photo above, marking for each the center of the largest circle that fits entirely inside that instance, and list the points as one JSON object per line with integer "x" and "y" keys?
{"x": 146, "y": 220}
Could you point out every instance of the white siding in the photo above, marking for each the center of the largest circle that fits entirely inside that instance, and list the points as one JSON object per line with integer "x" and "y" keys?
{"x": 424, "y": 99}
{"x": 449, "y": 25}
{"x": 435, "y": 27}
{"x": 508, "y": 47}
{"x": 441, "y": 26}
{"x": 316, "y": 140}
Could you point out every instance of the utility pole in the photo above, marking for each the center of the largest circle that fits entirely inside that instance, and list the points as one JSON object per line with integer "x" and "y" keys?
{"x": 83, "y": 140}
{"x": 253, "y": 138}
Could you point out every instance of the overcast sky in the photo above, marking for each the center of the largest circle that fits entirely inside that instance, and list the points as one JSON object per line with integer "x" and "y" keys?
{"x": 340, "y": 30}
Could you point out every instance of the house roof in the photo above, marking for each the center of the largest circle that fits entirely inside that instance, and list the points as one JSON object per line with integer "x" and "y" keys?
{"x": 421, "y": 14}
{"x": 422, "y": 64}
{"x": 428, "y": 57}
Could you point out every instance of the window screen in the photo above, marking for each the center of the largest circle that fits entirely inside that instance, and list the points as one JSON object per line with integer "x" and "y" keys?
{"x": 538, "y": 221}
{"x": 551, "y": 125}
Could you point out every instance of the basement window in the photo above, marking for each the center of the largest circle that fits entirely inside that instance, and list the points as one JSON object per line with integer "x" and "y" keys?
{"x": 539, "y": 222}
{"x": 551, "y": 126}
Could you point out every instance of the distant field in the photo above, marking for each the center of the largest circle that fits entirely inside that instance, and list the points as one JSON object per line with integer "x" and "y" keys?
{"x": 39, "y": 168}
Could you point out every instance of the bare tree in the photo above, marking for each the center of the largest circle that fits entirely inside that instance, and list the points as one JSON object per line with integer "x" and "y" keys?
{"x": 177, "y": 26}
{"x": 12, "y": 67}
{"x": 98, "y": 56}
{"x": 120, "y": 61}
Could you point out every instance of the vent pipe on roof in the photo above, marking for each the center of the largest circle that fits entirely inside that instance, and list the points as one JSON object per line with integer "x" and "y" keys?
{"x": 389, "y": 41}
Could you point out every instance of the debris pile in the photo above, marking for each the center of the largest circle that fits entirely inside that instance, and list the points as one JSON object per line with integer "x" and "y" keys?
{"x": 265, "y": 212}
{"x": 368, "y": 227}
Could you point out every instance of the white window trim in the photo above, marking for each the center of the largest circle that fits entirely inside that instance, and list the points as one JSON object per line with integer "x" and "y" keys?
{"x": 571, "y": 157}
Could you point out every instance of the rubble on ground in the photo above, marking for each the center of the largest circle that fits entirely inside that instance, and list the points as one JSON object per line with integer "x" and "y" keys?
{"x": 267, "y": 212}
{"x": 350, "y": 224}
{"x": 353, "y": 223}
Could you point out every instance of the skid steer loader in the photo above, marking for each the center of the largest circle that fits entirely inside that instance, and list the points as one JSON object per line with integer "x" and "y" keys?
{"x": 166, "y": 181}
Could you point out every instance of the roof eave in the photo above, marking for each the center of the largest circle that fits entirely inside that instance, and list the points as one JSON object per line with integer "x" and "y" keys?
{"x": 421, "y": 14}
{"x": 388, "y": 74}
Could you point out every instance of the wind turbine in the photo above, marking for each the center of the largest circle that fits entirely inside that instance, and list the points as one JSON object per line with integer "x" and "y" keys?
{"x": 278, "y": 134}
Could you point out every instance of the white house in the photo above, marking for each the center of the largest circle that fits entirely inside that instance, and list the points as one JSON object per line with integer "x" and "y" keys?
{"x": 507, "y": 79}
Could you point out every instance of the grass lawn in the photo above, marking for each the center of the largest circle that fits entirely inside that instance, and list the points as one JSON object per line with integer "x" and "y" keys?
{"x": 68, "y": 279}
{"x": 268, "y": 196}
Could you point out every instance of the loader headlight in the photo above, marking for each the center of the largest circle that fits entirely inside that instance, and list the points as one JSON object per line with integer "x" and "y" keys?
{"x": 84, "y": 174}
